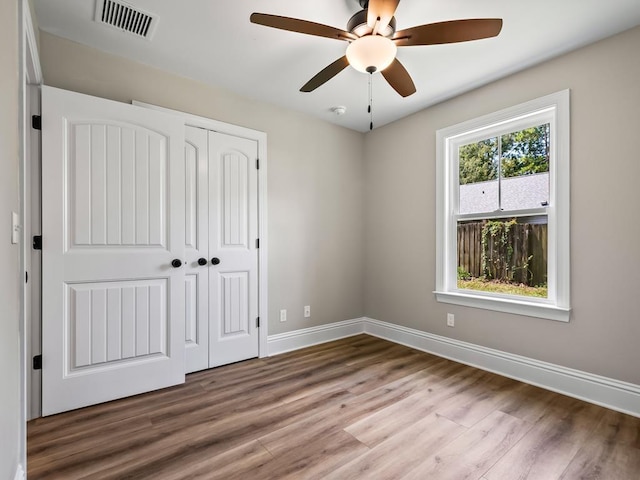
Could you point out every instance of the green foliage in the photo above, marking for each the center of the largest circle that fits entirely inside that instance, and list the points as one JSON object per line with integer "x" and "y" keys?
{"x": 479, "y": 161}
{"x": 463, "y": 274}
{"x": 526, "y": 152}
{"x": 497, "y": 253}
{"x": 497, "y": 250}
{"x": 523, "y": 153}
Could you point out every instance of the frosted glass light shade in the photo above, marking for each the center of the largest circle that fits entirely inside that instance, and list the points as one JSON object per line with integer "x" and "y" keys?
{"x": 373, "y": 52}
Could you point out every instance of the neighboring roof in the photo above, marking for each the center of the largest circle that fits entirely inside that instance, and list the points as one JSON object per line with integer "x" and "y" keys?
{"x": 518, "y": 193}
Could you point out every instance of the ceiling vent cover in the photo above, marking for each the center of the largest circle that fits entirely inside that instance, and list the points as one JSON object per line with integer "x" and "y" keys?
{"x": 126, "y": 17}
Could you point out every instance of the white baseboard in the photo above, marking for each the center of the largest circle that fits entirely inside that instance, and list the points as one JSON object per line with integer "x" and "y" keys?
{"x": 286, "y": 342}
{"x": 607, "y": 392}
{"x": 19, "y": 473}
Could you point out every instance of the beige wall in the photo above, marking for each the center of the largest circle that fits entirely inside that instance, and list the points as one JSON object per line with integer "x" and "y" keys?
{"x": 330, "y": 189}
{"x": 603, "y": 334}
{"x": 10, "y": 425}
{"x": 315, "y": 184}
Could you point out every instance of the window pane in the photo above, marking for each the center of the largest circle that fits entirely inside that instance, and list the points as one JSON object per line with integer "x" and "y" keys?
{"x": 478, "y": 176}
{"x": 525, "y": 168}
{"x": 507, "y": 255}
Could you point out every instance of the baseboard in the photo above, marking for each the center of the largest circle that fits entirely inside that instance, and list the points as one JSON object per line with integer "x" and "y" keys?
{"x": 286, "y": 342}
{"x": 610, "y": 393}
{"x": 19, "y": 473}
{"x": 620, "y": 396}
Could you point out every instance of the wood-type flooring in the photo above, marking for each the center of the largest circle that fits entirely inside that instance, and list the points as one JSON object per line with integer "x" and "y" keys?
{"x": 357, "y": 408}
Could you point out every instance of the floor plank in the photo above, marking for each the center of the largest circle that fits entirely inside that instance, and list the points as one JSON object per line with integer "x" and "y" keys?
{"x": 471, "y": 454}
{"x": 402, "y": 452}
{"x": 357, "y": 408}
{"x": 551, "y": 443}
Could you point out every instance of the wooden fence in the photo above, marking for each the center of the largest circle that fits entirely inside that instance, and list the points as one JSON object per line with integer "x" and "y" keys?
{"x": 526, "y": 240}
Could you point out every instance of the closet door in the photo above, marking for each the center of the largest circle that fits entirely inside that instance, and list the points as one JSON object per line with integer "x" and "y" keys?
{"x": 196, "y": 287}
{"x": 113, "y": 250}
{"x": 233, "y": 231}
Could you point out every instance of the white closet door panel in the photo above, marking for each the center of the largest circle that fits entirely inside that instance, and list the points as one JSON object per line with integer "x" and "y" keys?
{"x": 113, "y": 220}
{"x": 127, "y": 181}
{"x": 191, "y": 311}
{"x": 233, "y": 230}
{"x": 114, "y": 324}
{"x": 113, "y": 186}
{"x": 196, "y": 247}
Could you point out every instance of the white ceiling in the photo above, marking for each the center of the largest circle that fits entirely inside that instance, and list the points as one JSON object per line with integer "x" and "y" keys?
{"x": 214, "y": 42}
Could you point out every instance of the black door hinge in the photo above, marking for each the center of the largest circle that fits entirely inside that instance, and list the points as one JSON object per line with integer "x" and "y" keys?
{"x": 258, "y": 322}
{"x": 37, "y": 242}
{"x": 258, "y": 163}
{"x": 257, "y": 243}
{"x": 37, "y": 362}
{"x": 26, "y": 277}
{"x": 36, "y": 122}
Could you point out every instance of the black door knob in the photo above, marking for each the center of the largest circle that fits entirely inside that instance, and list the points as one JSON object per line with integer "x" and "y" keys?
{"x": 202, "y": 261}
{"x": 215, "y": 260}
{"x": 176, "y": 263}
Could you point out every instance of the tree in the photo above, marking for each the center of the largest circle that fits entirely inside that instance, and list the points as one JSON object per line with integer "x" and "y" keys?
{"x": 479, "y": 161}
{"x": 523, "y": 153}
{"x": 526, "y": 152}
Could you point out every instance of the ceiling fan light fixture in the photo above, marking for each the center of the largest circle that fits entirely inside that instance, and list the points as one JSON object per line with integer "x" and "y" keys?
{"x": 372, "y": 53}
{"x": 358, "y": 25}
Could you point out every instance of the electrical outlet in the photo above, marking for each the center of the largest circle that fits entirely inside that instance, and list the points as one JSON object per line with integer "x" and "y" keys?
{"x": 307, "y": 311}
{"x": 451, "y": 321}
{"x": 283, "y": 315}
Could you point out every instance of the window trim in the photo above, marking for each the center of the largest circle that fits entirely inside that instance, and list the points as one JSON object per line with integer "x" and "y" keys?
{"x": 557, "y": 305}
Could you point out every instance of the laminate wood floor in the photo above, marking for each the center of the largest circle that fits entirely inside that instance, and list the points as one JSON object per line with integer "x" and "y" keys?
{"x": 358, "y": 408}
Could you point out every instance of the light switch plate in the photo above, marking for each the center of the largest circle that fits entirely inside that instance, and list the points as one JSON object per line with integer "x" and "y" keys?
{"x": 15, "y": 228}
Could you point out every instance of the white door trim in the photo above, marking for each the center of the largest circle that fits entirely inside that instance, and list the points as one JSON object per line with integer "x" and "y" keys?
{"x": 261, "y": 138}
{"x": 30, "y": 75}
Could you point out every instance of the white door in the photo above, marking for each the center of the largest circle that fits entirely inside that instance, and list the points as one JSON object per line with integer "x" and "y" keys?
{"x": 196, "y": 250}
{"x": 233, "y": 231}
{"x": 113, "y": 195}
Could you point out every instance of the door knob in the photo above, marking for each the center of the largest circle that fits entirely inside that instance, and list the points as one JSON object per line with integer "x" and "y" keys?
{"x": 176, "y": 263}
{"x": 202, "y": 261}
{"x": 215, "y": 260}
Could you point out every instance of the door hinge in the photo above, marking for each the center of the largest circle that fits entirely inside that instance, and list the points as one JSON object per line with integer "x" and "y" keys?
{"x": 37, "y": 362}
{"x": 37, "y": 242}
{"x": 258, "y": 322}
{"x": 26, "y": 277}
{"x": 257, "y": 243}
{"x": 258, "y": 163}
{"x": 36, "y": 122}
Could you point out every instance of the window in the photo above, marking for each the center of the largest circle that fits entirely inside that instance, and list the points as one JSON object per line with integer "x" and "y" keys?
{"x": 503, "y": 210}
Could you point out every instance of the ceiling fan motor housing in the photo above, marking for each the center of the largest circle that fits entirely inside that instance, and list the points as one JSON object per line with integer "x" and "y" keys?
{"x": 358, "y": 25}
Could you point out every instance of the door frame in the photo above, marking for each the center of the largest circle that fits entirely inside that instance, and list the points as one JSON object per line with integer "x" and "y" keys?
{"x": 261, "y": 138}
{"x": 30, "y": 81}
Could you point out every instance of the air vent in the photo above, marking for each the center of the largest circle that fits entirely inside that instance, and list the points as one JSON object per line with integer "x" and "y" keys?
{"x": 126, "y": 17}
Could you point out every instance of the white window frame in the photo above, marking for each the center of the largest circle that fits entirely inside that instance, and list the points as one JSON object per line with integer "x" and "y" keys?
{"x": 553, "y": 109}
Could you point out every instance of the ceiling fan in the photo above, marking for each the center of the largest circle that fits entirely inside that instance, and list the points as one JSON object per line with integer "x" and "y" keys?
{"x": 373, "y": 40}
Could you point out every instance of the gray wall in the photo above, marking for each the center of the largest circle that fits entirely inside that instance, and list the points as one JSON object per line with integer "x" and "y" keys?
{"x": 602, "y": 336}
{"x": 332, "y": 191}
{"x": 10, "y": 424}
{"x": 315, "y": 183}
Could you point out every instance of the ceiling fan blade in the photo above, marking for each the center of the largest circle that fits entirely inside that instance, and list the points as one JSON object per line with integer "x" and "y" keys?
{"x": 301, "y": 26}
{"x": 383, "y": 9}
{"x": 325, "y": 74}
{"x": 399, "y": 78}
{"x": 448, "y": 32}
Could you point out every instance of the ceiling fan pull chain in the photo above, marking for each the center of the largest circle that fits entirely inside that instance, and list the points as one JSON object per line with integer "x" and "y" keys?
{"x": 370, "y": 102}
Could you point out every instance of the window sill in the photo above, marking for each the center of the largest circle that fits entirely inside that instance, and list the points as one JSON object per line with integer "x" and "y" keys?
{"x": 518, "y": 307}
